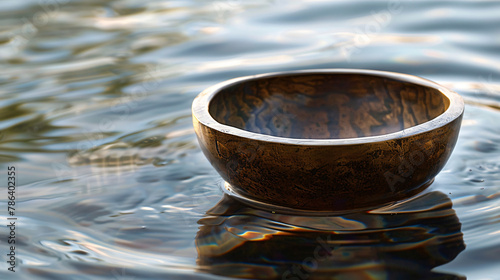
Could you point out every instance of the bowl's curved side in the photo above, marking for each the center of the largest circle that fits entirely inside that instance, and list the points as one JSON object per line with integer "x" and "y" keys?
{"x": 333, "y": 178}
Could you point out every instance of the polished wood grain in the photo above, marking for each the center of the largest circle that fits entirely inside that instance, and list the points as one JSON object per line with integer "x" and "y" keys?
{"x": 299, "y": 169}
{"x": 326, "y": 106}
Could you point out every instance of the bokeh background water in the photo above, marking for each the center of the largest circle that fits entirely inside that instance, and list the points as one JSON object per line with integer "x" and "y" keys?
{"x": 95, "y": 100}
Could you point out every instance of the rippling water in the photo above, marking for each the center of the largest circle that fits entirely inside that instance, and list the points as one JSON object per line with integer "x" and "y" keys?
{"x": 111, "y": 184}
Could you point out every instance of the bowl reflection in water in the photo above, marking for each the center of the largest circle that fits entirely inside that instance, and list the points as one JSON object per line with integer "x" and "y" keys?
{"x": 403, "y": 241}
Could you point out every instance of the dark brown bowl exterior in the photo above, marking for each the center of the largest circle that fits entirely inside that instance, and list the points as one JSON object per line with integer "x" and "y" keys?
{"x": 336, "y": 175}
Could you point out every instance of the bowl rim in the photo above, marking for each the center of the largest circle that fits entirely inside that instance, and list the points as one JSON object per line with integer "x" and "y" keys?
{"x": 200, "y": 109}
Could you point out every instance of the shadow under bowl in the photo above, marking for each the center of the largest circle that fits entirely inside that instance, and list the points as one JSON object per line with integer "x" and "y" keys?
{"x": 327, "y": 140}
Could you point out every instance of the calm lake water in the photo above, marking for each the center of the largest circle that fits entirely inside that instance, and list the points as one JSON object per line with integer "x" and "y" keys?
{"x": 95, "y": 101}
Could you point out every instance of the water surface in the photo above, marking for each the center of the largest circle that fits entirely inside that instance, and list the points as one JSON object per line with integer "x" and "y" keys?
{"x": 95, "y": 116}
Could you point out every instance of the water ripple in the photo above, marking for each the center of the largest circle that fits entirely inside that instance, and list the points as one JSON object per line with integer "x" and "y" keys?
{"x": 96, "y": 95}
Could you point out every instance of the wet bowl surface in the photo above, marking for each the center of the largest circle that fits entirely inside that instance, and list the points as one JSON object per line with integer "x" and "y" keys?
{"x": 327, "y": 140}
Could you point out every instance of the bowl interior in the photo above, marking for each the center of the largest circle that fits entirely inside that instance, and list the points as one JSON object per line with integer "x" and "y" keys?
{"x": 325, "y": 106}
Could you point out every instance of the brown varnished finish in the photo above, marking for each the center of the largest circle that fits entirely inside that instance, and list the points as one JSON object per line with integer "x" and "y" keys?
{"x": 322, "y": 106}
{"x": 327, "y": 141}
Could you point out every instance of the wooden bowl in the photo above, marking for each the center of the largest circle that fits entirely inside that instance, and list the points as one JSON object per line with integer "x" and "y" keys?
{"x": 327, "y": 140}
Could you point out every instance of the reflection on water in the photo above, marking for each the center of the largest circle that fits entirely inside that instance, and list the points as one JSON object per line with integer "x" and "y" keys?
{"x": 404, "y": 241}
{"x": 95, "y": 100}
